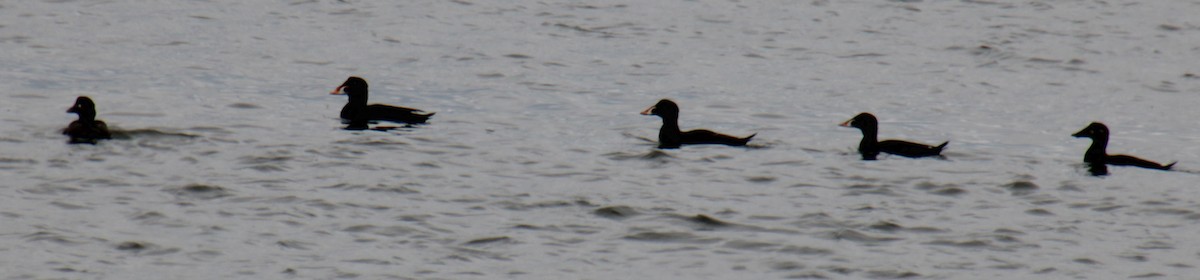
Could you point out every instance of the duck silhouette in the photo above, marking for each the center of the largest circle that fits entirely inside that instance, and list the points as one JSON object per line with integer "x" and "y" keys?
{"x": 670, "y": 137}
{"x": 87, "y": 129}
{"x": 1097, "y": 158}
{"x": 870, "y": 147}
{"x": 357, "y": 113}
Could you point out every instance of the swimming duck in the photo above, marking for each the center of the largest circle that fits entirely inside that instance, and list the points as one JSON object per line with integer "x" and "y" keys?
{"x": 1097, "y": 157}
{"x": 357, "y": 113}
{"x": 670, "y": 137}
{"x": 87, "y": 129}
{"x": 871, "y": 146}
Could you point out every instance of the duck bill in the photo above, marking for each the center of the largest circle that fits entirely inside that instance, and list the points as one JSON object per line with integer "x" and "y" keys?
{"x": 1082, "y": 133}
{"x": 72, "y": 110}
{"x": 846, "y": 123}
{"x": 648, "y": 111}
{"x": 337, "y": 91}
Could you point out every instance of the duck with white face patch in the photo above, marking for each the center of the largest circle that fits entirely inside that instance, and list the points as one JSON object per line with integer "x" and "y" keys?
{"x": 87, "y": 129}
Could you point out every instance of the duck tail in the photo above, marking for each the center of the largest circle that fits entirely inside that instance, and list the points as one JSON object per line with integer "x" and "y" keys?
{"x": 747, "y": 139}
{"x": 1168, "y": 166}
{"x": 942, "y": 146}
{"x": 418, "y": 118}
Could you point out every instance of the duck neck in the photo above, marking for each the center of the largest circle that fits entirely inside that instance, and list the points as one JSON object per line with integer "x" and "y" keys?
{"x": 357, "y": 97}
{"x": 869, "y": 146}
{"x": 1096, "y": 153}
{"x": 670, "y": 135}
{"x": 870, "y": 135}
{"x": 87, "y": 117}
{"x": 670, "y": 123}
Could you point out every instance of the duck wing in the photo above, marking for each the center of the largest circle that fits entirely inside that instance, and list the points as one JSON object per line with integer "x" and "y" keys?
{"x": 910, "y": 149}
{"x": 396, "y": 114}
{"x": 702, "y": 136}
{"x": 1134, "y": 161}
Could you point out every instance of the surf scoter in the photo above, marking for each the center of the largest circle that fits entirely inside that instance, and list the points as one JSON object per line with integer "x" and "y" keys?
{"x": 357, "y": 113}
{"x": 87, "y": 129}
{"x": 1097, "y": 158}
{"x": 871, "y": 146}
{"x": 670, "y": 137}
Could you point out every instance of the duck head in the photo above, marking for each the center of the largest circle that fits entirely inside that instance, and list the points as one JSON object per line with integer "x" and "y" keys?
{"x": 862, "y": 121}
{"x": 1094, "y": 131}
{"x": 664, "y": 108}
{"x": 352, "y": 86}
{"x": 84, "y": 107}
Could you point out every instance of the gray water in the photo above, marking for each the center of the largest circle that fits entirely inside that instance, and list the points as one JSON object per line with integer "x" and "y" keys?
{"x": 231, "y": 163}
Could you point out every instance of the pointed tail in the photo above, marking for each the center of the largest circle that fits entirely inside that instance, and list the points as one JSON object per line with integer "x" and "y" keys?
{"x": 942, "y": 146}
{"x": 747, "y": 139}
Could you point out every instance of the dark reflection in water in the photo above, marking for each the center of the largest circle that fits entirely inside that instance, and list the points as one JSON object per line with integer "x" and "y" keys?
{"x": 615, "y": 212}
{"x": 653, "y": 155}
{"x": 147, "y": 133}
{"x": 1097, "y": 168}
